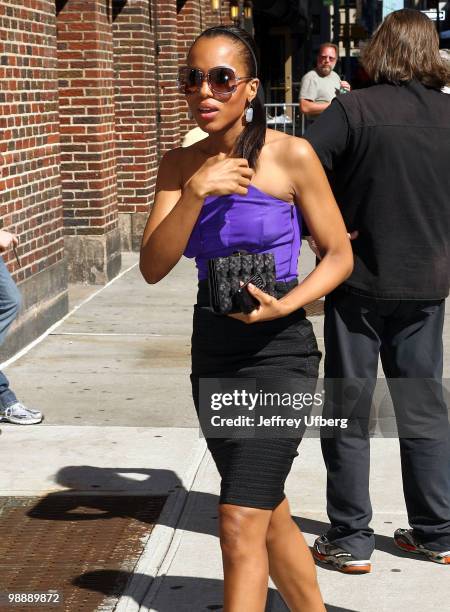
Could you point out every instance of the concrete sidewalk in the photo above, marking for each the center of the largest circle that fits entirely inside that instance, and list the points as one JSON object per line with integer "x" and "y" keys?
{"x": 112, "y": 380}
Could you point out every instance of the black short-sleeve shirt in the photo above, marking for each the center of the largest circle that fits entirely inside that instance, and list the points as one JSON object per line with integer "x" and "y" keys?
{"x": 387, "y": 152}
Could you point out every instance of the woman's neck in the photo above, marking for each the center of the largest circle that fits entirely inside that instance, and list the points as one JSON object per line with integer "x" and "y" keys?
{"x": 222, "y": 142}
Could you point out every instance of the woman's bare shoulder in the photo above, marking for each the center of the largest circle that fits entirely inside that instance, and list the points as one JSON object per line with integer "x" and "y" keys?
{"x": 183, "y": 155}
{"x": 171, "y": 156}
{"x": 275, "y": 138}
{"x": 285, "y": 144}
{"x": 169, "y": 175}
{"x": 287, "y": 150}
{"x": 181, "y": 162}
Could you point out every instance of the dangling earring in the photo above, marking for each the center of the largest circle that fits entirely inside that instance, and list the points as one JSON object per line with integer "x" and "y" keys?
{"x": 249, "y": 113}
{"x": 190, "y": 115}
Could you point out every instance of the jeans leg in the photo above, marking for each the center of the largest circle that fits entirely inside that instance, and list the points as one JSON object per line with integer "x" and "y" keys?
{"x": 351, "y": 355}
{"x": 412, "y": 354}
{"x": 9, "y": 307}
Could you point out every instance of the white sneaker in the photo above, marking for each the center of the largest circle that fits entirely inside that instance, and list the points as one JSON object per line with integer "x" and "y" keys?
{"x": 21, "y": 415}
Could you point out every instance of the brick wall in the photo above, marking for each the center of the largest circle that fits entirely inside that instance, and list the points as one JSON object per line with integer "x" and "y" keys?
{"x": 88, "y": 105}
{"x": 29, "y": 138}
{"x": 190, "y": 22}
{"x": 87, "y": 127}
{"x": 30, "y": 191}
{"x": 135, "y": 115}
{"x": 193, "y": 17}
{"x": 165, "y": 14}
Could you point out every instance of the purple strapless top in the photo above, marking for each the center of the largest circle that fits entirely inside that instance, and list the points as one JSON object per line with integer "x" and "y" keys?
{"x": 256, "y": 222}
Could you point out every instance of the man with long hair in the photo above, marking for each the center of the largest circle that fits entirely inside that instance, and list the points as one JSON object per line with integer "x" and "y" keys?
{"x": 387, "y": 149}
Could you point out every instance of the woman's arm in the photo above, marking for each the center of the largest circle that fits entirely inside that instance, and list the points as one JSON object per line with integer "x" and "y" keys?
{"x": 324, "y": 220}
{"x": 319, "y": 209}
{"x": 170, "y": 222}
{"x": 177, "y": 206}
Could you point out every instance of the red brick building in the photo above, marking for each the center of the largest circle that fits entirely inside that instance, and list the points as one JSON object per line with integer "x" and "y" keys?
{"x": 88, "y": 102}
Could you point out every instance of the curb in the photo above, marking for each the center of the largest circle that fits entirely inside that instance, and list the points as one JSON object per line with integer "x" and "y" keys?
{"x": 161, "y": 543}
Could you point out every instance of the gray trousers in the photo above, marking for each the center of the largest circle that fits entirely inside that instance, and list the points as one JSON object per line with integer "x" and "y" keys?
{"x": 407, "y": 335}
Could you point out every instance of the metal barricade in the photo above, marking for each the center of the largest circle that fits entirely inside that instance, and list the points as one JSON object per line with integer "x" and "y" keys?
{"x": 286, "y": 117}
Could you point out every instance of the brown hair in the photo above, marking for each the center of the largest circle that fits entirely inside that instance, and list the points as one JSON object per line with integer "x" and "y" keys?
{"x": 405, "y": 47}
{"x": 329, "y": 44}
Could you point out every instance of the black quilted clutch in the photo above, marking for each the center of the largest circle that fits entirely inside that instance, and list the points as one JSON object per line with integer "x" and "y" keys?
{"x": 226, "y": 273}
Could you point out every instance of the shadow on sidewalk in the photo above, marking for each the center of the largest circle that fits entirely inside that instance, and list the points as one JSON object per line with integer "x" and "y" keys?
{"x": 98, "y": 486}
{"x": 107, "y": 482}
{"x": 179, "y": 591}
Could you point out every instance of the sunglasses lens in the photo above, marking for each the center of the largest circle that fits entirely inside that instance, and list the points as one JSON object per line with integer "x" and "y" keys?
{"x": 188, "y": 80}
{"x": 222, "y": 80}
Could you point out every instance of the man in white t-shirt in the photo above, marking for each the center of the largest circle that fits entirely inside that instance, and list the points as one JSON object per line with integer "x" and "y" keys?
{"x": 320, "y": 86}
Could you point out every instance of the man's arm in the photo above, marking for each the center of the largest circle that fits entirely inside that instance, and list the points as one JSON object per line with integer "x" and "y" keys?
{"x": 308, "y": 95}
{"x": 329, "y": 134}
{"x": 310, "y": 108}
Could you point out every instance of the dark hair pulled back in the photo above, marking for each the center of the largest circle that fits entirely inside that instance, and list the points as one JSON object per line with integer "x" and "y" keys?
{"x": 252, "y": 138}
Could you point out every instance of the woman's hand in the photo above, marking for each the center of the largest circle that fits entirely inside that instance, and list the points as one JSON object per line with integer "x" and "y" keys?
{"x": 221, "y": 175}
{"x": 269, "y": 308}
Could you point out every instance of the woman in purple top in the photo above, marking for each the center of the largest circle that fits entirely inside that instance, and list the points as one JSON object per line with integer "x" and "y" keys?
{"x": 242, "y": 188}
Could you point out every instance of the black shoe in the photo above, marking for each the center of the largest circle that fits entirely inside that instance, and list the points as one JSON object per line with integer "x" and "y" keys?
{"x": 327, "y": 552}
{"x": 405, "y": 540}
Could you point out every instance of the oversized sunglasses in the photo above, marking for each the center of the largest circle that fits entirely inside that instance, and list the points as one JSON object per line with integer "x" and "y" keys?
{"x": 221, "y": 80}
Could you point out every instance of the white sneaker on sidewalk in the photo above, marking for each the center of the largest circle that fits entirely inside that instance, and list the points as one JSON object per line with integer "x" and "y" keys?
{"x": 21, "y": 415}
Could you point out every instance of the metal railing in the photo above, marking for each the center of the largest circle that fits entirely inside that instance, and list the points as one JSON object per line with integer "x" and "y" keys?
{"x": 285, "y": 117}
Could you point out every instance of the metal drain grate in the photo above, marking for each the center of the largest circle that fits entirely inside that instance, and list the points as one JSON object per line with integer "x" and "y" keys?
{"x": 314, "y": 309}
{"x": 84, "y": 546}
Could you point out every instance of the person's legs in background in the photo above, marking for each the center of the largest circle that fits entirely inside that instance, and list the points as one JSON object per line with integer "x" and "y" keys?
{"x": 408, "y": 336}
{"x": 412, "y": 357}
{"x": 11, "y": 409}
{"x": 352, "y": 341}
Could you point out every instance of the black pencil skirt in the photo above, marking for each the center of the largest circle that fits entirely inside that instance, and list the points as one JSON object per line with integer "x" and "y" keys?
{"x": 253, "y": 470}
